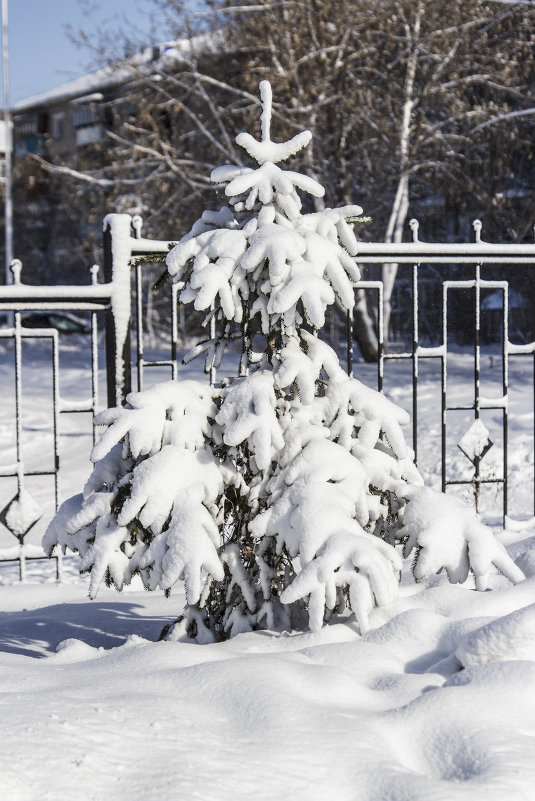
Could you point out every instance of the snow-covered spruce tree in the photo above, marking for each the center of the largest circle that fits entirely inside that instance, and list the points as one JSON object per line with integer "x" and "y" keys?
{"x": 282, "y": 497}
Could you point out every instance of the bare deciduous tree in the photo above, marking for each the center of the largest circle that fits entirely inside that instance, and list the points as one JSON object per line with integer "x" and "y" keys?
{"x": 396, "y": 92}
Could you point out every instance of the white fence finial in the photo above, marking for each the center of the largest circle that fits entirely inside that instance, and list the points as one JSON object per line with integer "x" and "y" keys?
{"x": 137, "y": 224}
{"x": 477, "y": 225}
{"x": 265, "y": 119}
{"x": 414, "y": 226}
{"x": 16, "y": 269}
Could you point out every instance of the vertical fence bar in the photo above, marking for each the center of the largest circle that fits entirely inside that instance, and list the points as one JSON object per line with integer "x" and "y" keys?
{"x": 94, "y": 354}
{"x": 139, "y": 326}
{"x": 213, "y": 372}
{"x": 55, "y": 423}
{"x": 414, "y": 225}
{"x": 415, "y": 338}
{"x": 137, "y": 224}
{"x": 18, "y": 406}
{"x": 477, "y": 362}
{"x": 349, "y": 340}
{"x": 117, "y": 252}
{"x": 380, "y": 342}
{"x": 477, "y": 378}
{"x": 444, "y": 380}
{"x": 18, "y": 402}
{"x": 55, "y": 434}
{"x": 174, "y": 332}
{"x": 505, "y": 412}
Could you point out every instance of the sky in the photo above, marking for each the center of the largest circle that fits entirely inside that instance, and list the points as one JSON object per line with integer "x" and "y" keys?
{"x": 41, "y": 56}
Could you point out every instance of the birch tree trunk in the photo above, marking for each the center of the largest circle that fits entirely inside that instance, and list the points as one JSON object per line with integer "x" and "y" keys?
{"x": 400, "y": 206}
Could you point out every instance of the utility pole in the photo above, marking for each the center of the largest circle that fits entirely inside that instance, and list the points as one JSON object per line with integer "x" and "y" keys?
{"x": 8, "y": 149}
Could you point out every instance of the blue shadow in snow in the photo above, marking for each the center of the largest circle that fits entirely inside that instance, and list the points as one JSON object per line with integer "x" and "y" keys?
{"x": 37, "y": 632}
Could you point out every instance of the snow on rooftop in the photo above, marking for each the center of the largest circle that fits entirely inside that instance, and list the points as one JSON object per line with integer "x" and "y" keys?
{"x": 158, "y": 56}
{"x": 85, "y": 84}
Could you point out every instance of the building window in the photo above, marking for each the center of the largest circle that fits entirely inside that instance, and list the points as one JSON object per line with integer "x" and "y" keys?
{"x": 26, "y": 127}
{"x": 57, "y": 125}
{"x": 88, "y": 135}
{"x": 85, "y": 114}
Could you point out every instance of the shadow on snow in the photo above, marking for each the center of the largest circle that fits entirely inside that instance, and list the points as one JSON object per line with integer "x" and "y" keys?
{"x": 37, "y": 632}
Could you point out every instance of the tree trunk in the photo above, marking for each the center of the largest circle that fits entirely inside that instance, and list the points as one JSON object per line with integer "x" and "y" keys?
{"x": 400, "y": 206}
{"x": 364, "y": 328}
{"x": 394, "y": 233}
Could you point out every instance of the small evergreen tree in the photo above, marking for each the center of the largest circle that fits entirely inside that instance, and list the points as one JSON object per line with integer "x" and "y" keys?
{"x": 282, "y": 496}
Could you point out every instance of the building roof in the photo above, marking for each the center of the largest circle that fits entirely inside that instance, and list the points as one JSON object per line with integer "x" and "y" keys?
{"x": 85, "y": 85}
{"x": 113, "y": 75}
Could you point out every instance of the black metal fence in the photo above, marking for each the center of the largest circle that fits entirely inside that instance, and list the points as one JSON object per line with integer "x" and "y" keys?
{"x": 479, "y": 255}
{"x": 424, "y": 359}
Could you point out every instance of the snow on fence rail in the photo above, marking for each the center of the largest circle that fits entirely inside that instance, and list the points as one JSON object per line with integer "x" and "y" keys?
{"x": 122, "y": 241}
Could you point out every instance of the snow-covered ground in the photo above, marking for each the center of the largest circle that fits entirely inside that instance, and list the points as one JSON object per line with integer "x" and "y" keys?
{"x": 437, "y": 701}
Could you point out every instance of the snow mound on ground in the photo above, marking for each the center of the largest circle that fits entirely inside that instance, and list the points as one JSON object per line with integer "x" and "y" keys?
{"x": 464, "y": 740}
{"x": 508, "y": 638}
{"x": 526, "y": 558}
{"x": 73, "y": 650}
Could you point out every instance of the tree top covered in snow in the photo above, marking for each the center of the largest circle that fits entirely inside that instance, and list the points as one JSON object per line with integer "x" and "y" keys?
{"x": 260, "y": 255}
